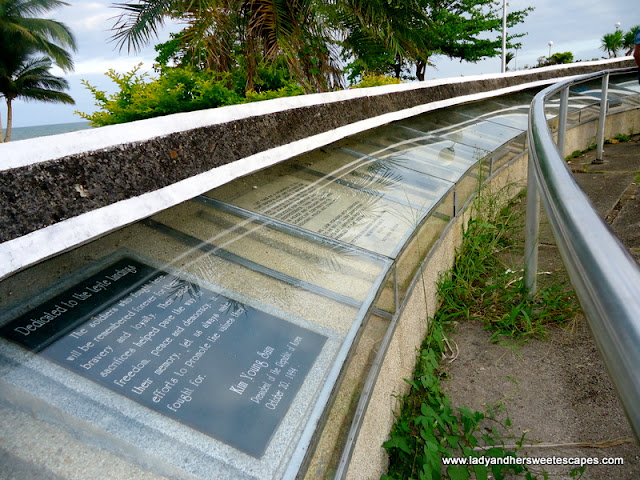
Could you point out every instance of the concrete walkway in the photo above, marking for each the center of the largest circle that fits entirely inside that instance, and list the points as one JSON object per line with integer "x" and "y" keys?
{"x": 557, "y": 389}
{"x": 614, "y": 188}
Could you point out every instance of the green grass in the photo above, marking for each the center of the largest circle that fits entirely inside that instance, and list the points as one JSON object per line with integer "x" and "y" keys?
{"x": 430, "y": 428}
{"x": 621, "y": 137}
{"x": 577, "y": 153}
{"x": 483, "y": 285}
{"x": 479, "y": 286}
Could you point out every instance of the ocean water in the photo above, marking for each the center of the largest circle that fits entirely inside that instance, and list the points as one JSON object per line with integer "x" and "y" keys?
{"x": 22, "y": 133}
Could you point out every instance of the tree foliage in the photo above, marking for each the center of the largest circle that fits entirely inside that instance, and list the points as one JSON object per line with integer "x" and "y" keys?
{"x": 247, "y": 50}
{"x": 30, "y": 47}
{"x": 177, "y": 90}
{"x": 459, "y": 29}
{"x": 617, "y": 41}
{"x": 612, "y": 43}
{"x": 628, "y": 39}
{"x": 376, "y": 81}
{"x": 313, "y": 36}
{"x": 223, "y": 34}
{"x": 556, "y": 59}
{"x": 31, "y": 80}
{"x": 22, "y": 33}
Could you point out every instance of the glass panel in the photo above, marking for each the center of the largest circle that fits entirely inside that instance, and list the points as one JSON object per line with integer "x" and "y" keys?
{"x": 256, "y": 262}
{"x": 334, "y": 436}
{"x": 466, "y": 187}
{"x": 424, "y": 153}
{"x": 628, "y": 83}
{"x": 462, "y": 129}
{"x": 627, "y": 88}
{"x": 381, "y": 141}
{"x": 586, "y": 97}
{"x": 519, "y": 99}
{"x": 333, "y": 270}
{"x": 580, "y": 108}
{"x": 387, "y": 300}
{"x": 420, "y": 244}
{"x": 583, "y": 115}
{"x": 630, "y": 101}
{"x": 507, "y": 152}
{"x": 593, "y": 89}
{"x": 577, "y": 99}
{"x": 368, "y": 203}
{"x": 442, "y": 158}
{"x": 587, "y": 90}
{"x": 508, "y": 113}
{"x": 388, "y": 176}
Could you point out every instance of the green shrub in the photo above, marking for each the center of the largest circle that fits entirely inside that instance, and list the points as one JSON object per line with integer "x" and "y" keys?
{"x": 175, "y": 90}
{"x": 291, "y": 89}
{"x": 178, "y": 89}
{"x": 376, "y": 81}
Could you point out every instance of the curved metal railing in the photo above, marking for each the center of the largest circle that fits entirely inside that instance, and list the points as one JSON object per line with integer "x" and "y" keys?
{"x": 604, "y": 275}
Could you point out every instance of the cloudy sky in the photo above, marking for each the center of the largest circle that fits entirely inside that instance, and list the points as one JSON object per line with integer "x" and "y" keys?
{"x": 572, "y": 25}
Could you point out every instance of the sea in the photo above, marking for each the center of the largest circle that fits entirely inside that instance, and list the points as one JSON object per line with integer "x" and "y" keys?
{"x": 22, "y": 133}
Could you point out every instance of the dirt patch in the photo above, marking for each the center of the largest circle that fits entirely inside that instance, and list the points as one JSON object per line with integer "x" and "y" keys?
{"x": 556, "y": 390}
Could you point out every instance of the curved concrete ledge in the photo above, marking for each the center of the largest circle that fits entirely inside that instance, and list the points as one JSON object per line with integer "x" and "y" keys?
{"x": 396, "y": 358}
{"x": 88, "y": 183}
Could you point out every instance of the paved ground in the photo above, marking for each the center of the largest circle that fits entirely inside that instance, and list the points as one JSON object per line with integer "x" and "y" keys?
{"x": 557, "y": 390}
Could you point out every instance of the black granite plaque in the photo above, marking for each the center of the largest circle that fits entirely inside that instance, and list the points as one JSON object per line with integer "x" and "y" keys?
{"x": 224, "y": 368}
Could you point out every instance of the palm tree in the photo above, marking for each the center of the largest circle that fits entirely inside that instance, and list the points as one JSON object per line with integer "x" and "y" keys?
{"x": 382, "y": 34}
{"x": 508, "y": 57}
{"x": 628, "y": 39}
{"x": 21, "y": 31}
{"x": 31, "y": 80}
{"x": 218, "y": 29}
{"x": 612, "y": 42}
{"x": 23, "y": 35}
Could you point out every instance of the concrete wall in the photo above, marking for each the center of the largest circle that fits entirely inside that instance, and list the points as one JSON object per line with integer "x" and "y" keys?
{"x": 581, "y": 138}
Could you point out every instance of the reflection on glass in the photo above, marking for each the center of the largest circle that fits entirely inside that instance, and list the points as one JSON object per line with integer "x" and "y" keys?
{"x": 511, "y": 113}
{"x": 300, "y": 261}
{"x": 631, "y": 85}
{"x": 388, "y": 176}
{"x": 471, "y": 131}
{"x": 257, "y": 263}
{"x": 443, "y": 159}
{"x": 372, "y": 203}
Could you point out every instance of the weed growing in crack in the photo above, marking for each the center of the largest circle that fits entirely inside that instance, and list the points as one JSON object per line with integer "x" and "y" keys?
{"x": 619, "y": 138}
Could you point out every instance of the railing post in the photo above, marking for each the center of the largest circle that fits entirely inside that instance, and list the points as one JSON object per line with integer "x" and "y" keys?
{"x": 562, "y": 119}
{"x": 603, "y": 116}
{"x": 532, "y": 229}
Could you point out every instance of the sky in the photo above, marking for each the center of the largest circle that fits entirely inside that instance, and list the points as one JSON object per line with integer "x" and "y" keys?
{"x": 572, "y": 25}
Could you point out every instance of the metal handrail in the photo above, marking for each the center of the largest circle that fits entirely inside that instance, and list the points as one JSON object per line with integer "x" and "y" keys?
{"x": 604, "y": 275}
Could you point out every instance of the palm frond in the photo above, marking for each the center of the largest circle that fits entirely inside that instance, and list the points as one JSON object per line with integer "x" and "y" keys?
{"x": 141, "y": 21}
{"x": 43, "y": 94}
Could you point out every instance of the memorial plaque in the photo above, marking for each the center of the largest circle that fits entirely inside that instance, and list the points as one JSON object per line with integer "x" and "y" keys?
{"x": 222, "y": 367}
